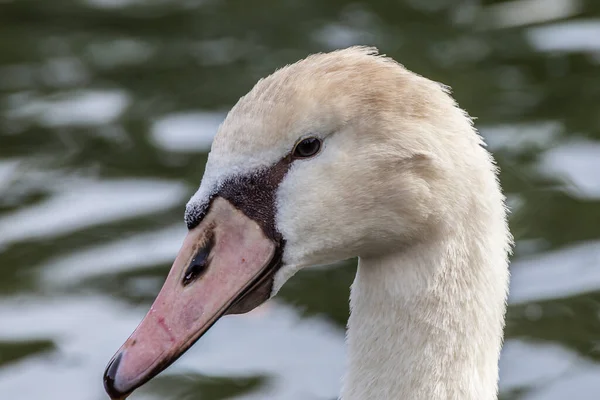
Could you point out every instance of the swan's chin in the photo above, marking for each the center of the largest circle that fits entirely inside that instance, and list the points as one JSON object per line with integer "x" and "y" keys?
{"x": 225, "y": 266}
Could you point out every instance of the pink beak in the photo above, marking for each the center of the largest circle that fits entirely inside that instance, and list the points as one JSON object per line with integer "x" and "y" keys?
{"x": 223, "y": 262}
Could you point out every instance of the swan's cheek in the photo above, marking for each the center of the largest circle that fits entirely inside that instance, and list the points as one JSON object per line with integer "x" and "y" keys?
{"x": 316, "y": 218}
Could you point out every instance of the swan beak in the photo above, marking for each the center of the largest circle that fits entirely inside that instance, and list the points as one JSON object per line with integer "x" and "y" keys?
{"x": 226, "y": 265}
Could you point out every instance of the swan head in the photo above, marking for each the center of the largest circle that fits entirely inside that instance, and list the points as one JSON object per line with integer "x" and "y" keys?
{"x": 340, "y": 155}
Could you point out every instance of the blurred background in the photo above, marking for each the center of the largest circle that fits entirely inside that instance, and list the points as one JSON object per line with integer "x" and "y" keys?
{"x": 108, "y": 109}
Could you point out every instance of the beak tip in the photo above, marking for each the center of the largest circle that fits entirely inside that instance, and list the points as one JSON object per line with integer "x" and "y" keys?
{"x": 110, "y": 378}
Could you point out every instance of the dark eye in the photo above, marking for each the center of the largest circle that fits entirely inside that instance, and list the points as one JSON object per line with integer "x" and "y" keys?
{"x": 307, "y": 148}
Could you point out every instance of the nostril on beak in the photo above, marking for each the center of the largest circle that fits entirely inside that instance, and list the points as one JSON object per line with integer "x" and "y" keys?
{"x": 199, "y": 263}
{"x": 110, "y": 375}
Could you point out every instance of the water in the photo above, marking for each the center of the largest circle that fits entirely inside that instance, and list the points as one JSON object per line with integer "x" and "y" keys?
{"x": 107, "y": 109}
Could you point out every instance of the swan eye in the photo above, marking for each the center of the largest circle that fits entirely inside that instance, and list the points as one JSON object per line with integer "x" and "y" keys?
{"x": 307, "y": 148}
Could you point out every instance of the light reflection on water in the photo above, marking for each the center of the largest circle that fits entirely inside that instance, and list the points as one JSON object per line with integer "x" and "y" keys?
{"x": 577, "y": 163}
{"x": 108, "y": 114}
{"x": 80, "y": 204}
{"x": 86, "y": 108}
{"x": 556, "y": 373}
{"x": 270, "y": 341}
{"x": 186, "y": 131}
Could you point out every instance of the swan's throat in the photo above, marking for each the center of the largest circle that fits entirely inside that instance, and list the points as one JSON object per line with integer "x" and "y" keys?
{"x": 426, "y": 324}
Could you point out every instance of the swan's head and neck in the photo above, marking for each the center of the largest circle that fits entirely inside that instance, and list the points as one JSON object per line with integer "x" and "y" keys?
{"x": 341, "y": 155}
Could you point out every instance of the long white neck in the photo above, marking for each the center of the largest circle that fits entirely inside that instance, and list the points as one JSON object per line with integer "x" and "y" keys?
{"x": 427, "y": 322}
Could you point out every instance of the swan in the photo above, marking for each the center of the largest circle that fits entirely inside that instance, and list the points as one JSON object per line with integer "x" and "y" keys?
{"x": 346, "y": 154}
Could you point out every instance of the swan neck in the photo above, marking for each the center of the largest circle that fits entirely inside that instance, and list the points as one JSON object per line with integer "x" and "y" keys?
{"x": 427, "y": 323}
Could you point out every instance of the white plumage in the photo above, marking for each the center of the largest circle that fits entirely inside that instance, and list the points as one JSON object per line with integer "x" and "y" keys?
{"x": 403, "y": 182}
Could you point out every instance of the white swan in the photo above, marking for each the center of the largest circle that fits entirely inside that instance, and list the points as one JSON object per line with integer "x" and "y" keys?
{"x": 341, "y": 155}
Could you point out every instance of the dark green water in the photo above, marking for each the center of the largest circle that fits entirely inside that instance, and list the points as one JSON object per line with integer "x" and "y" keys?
{"x": 107, "y": 109}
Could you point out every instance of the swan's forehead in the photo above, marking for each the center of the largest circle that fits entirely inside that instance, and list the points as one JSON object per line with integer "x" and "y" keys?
{"x": 254, "y": 138}
{"x": 264, "y": 125}
{"x": 316, "y": 96}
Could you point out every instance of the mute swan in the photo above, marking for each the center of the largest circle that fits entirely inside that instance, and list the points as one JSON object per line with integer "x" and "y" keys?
{"x": 341, "y": 155}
